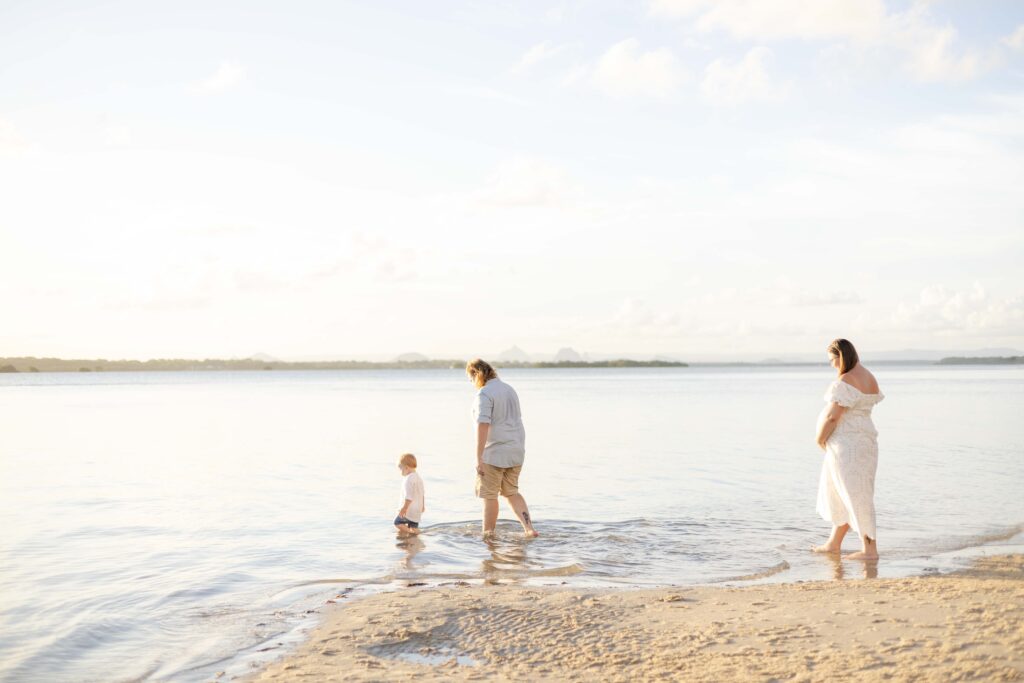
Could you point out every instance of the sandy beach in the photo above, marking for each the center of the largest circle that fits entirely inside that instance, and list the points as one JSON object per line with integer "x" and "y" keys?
{"x": 963, "y": 626}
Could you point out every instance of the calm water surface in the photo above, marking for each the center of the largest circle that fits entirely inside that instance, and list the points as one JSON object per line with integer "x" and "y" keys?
{"x": 170, "y": 526}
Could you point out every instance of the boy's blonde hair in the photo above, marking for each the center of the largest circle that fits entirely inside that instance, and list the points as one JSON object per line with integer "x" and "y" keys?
{"x": 408, "y": 459}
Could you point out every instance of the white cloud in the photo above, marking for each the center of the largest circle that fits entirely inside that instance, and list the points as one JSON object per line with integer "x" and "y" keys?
{"x": 941, "y": 310}
{"x": 227, "y": 75}
{"x": 529, "y": 181}
{"x": 635, "y": 317}
{"x": 1015, "y": 40}
{"x": 626, "y": 71}
{"x": 117, "y": 136}
{"x": 925, "y": 50}
{"x": 744, "y": 81}
{"x": 541, "y": 52}
{"x": 369, "y": 257}
{"x": 11, "y": 141}
{"x": 823, "y": 298}
{"x": 930, "y": 50}
{"x": 780, "y": 19}
{"x": 493, "y": 94}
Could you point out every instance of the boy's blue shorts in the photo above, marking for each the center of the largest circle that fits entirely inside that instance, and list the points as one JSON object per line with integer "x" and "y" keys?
{"x": 403, "y": 520}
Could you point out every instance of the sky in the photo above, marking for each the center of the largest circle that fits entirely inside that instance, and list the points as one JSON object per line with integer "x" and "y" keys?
{"x": 694, "y": 178}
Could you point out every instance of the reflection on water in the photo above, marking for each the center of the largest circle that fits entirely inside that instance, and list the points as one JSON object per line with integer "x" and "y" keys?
{"x": 411, "y": 544}
{"x": 851, "y": 569}
{"x": 508, "y": 557}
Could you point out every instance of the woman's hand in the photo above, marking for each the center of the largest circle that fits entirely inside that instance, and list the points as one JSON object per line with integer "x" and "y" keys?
{"x": 828, "y": 423}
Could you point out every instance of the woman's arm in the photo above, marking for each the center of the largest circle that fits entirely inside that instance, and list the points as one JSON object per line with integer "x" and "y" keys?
{"x": 483, "y": 429}
{"x": 829, "y": 423}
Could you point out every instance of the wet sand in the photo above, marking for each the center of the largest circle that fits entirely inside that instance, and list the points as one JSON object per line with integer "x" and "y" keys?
{"x": 957, "y": 627}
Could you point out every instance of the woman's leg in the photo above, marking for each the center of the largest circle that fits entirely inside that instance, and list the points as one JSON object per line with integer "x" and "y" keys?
{"x": 835, "y": 540}
{"x": 869, "y": 550}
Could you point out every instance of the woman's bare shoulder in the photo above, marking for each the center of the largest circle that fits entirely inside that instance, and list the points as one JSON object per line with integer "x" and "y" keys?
{"x": 861, "y": 379}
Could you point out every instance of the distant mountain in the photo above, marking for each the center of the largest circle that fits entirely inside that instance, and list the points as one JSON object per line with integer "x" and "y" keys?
{"x": 411, "y": 357}
{"x": 514, "y": 355}
{"x": 567, "y": 355}
{"x": 264, "y": 357}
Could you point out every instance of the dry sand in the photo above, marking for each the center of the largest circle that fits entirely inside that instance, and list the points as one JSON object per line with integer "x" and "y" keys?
{"x": 965, "y": 626}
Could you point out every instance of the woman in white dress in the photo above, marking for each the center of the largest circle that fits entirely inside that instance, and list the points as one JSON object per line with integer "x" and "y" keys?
{"x": 846, "y": 493}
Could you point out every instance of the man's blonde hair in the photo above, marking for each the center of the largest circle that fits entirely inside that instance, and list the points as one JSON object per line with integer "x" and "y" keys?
{"x": 480, "y": 371}
{"x": 408, "y": 459}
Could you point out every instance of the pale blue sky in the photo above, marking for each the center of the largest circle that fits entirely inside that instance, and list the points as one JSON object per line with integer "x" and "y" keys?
{"x": 360, "y": 179}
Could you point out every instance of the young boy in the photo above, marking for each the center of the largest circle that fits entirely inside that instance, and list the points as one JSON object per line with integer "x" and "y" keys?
{"x": 413, "y": 499}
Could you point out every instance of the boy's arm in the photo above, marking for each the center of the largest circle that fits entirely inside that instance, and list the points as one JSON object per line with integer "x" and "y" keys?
{"x": 405, "y": 508}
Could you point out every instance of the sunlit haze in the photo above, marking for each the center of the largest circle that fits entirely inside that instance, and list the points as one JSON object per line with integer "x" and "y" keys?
{"x": 684, "y": 178}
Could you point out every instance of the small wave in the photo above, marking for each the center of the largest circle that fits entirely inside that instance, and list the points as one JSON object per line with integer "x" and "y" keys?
{"x": 286, "y": 593}
{"x": 955, "y": 543}
{"x": 763, "y": 574}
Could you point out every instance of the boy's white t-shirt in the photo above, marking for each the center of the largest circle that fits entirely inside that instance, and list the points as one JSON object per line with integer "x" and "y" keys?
{"x": 412, "y": 489}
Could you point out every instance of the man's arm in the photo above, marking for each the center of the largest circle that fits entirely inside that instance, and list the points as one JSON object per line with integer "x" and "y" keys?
{"x": 483, "y": 429}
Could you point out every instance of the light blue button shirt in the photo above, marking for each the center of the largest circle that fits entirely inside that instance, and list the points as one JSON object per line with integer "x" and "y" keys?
{"x": 497, "y": 404}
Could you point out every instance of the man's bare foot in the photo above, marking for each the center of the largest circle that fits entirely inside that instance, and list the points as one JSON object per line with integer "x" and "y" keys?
{"x": 826, "y": 548}
{"x": 861, "y": 555}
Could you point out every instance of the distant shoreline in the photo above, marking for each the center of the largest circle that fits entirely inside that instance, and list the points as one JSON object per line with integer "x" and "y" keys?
{"x": 30, "y": 364}
{"x": 990, "y": 360}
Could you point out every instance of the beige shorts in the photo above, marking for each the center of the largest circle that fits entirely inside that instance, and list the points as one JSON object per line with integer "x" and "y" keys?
{"x": 495, "y": 480}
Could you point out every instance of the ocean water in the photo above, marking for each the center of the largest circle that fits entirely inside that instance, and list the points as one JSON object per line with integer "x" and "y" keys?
{"x": 170, "y": 526}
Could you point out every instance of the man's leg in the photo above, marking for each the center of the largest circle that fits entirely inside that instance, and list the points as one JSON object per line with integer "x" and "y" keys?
{"x": 490, "y": 515}
{"x": 518, "y": 504}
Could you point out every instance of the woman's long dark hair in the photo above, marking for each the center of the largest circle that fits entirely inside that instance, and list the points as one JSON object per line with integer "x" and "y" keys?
{"x": 847, "y": 355}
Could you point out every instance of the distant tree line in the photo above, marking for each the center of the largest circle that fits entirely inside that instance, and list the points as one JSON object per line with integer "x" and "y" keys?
{"x": 991, "y": 360}
{"x": 32, "y": 364}
{"x": 620, "y": 363}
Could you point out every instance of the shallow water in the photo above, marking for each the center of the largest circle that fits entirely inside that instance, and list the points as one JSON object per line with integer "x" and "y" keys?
{"x": 175, "y": 525}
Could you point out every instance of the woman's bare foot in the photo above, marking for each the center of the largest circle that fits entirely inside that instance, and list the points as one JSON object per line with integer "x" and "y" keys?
{"x": 826, "y": 548}
{"x": 531, "y": 533}
{"x": 861, "y": 555}
{"x": 835, "y": 540}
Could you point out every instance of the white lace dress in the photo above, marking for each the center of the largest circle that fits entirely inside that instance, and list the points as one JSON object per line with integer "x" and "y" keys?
{"x": 846, "y": 493}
